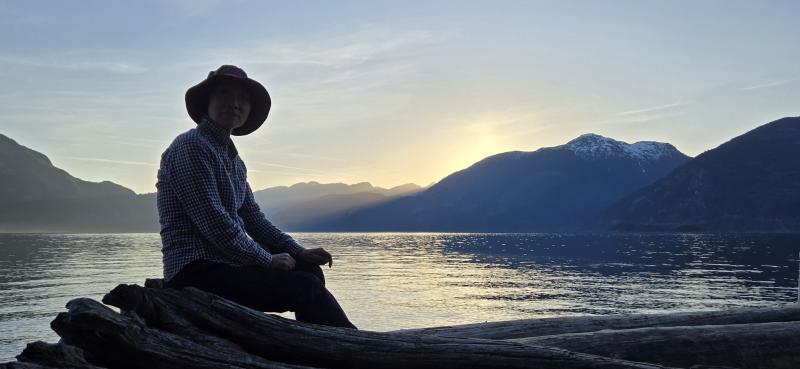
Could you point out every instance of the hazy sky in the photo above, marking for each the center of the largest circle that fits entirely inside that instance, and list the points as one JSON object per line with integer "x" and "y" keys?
{"x": 390, "y": 92}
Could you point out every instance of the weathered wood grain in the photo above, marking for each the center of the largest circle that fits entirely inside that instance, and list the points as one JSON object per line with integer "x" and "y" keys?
{"x": 124, "y": 341}
{"x": 56, "y": 355}
{"x": 756, "y": 345}
{"x": 284, "y": 340}
{"x": 188, "y": 328}
{"x": 577, "y": 324}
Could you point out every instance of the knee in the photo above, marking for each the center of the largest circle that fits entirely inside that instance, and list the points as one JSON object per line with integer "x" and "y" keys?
{"x": 307, "y": 290}
{"x": 312, "y": 269}
{"x": 306, "y": 281}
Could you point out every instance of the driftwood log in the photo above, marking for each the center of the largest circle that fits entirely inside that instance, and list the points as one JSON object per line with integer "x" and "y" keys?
{"x": 115, "y": 340}
{"x": 188, "y": 328}
{"x": 189, "y": 310}
{"x": 755, "y": 345}
{"x": 576, "y": 324}
{"x": 47, "y": 355}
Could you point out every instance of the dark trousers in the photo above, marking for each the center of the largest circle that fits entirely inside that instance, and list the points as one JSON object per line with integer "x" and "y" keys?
{"x": 301, "y": 290}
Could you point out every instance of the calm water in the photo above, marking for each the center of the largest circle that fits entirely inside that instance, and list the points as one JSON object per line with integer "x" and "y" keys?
{"x": 388, "y": 281}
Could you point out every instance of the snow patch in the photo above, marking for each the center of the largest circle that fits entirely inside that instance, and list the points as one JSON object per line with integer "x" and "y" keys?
{"x": 593, "y": 146}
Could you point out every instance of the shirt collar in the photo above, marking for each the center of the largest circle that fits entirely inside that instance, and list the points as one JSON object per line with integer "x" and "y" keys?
{"x": 220, "y": 135}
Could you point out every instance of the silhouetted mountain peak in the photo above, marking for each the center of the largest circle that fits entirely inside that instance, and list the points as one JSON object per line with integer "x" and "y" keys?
{"x": 362, "y": 186}
{"x": 594, "y": 146}
{"x": 4, "y": 139}
{"x": 303, "y": 184}
{"x": 289, "y": 200}
{"x": 407, "y": 186}
{"x": 37, "y": 196}
{"x": 749, "y": 183}
{"x": 12, "y": 151}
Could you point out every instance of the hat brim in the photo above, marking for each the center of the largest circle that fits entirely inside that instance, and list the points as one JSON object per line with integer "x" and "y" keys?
{"x": 260, "y": 102}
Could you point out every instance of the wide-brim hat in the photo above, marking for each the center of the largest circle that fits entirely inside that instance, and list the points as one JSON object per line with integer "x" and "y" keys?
{"x": 260, "y": 102}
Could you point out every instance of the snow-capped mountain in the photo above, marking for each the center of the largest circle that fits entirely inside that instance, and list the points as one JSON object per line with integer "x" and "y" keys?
{"x": 561, "y": 188}
{"x": 594, "y": 146}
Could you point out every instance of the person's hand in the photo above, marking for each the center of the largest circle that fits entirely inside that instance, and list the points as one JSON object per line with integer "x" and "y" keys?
{"x": 316, "y": 256}
{"x": 282, "y": 261}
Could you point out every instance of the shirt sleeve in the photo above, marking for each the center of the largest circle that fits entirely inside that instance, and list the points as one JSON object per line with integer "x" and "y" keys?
{"x": 262, "y": 230}
{"x": 192, "y": 177}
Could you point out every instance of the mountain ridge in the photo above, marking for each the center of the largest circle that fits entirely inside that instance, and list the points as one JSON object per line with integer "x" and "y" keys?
{"x": 37, "y": 196}
{"x": 591, "y": 145}
{"x": 748, "y": 183}
{"x": 512, "y": 191}
{"x": 560, "y": 188}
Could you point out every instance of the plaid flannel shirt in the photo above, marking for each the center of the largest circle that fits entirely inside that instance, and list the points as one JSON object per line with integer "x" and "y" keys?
{"x": 206, "y": 207}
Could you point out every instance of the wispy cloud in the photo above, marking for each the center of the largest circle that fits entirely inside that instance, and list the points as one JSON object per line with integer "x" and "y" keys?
{"x": 285, "y": 166}
{"x": 110, "y": 161}
{"x": 65, "y": 112}
{"x": 652, "y": 109}
{"x": 344, "y": 51}
{"x": 638, "y": 118}
{"x": 109, "y": 66}
{"x": 300, "y": 170}
{"x": 89, "y": 62}
{"x": 285, "y": 149}
{"x": 770, "y": 84}
{"x": 101, "y": 140}
{"x": 327, "y": 80}
{"x": 310, "y": 156}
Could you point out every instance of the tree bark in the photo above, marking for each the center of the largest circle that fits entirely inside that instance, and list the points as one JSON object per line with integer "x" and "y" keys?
{"x": 577, "y": 324}
{"x": 58, "y": 355}
{"x": 124, "y": 341}
{"x": 188, "y": 328}
{"x": 758, "y": 345}
{"x": 284, "y": 340}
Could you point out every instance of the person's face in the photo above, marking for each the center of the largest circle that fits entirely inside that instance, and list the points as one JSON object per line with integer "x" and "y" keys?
{"x": 229, "y": 104}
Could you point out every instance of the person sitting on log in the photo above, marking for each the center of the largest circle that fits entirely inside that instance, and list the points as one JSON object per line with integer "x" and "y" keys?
{"x": 214, "y": 235}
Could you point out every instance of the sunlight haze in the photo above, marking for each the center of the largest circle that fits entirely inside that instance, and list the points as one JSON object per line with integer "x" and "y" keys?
{"x": 390, "y": 92}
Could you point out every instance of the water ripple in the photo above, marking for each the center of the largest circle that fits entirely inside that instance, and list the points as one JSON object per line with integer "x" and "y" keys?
{"x": 389, "y": 281}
